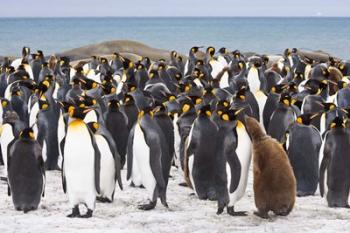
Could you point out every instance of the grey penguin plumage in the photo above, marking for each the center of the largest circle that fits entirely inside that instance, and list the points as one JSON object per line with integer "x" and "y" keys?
{"x": 26, "y": 172}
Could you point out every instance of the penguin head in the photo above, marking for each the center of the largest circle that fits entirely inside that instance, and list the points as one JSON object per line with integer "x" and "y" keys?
{"x": 25, "y": 51}
{"x": 210, "y": 51}
{"x": 113, "y": 105}
{"x": 204, "y": 110}
{"x": 4, "y": 103}
{"x": 93, "y": 126}
{"x": 27, "y": 134}
{"x": 173, "y": 54}
{"x": 178, "y": 75}
{"x": 43, "y": 105}
{"x": 298, "y": 76}
{"x": 78, "y": 112}
{"x": 186, "y": 104}
{"x": 231, "y": 114}
{"x": 85, "y": 100}
{"x": 241, "y": 93}
{"x": 196, "y": 100}
{"x": 172, "y": 106}
{"x": 329, "y": 107}
{"x": 153, "y": 74}
{"x": 161, "y": 66}
{"x": 43, "y": 86}
{"x": 179, "y": 58}
{"x": 16, "y": 92}
{"x": 128, "y": 99}
{"x": 305, "y": 119}
{"x": 341, "y": 84}
{"x": 194, "y": 49}
{"x": 338, "y": 122}
{"x": 222, "y": 106}
{"x": 89, "y": 84}
{"x": 139, "y": 66}
{"x": 236, "y": 54}
{"x": 223, "y": 51}
{"x": 279, "y": 88}
{"x": 64, "y": 61}
{"x": 40, "y": 53}
{"x": 286, "y": 99}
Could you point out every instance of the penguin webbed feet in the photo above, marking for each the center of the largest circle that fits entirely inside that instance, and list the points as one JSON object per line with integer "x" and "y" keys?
{"x": 75, "y": 212}
{"x": 231, "y": 211}
{"x": 103, "y": 200}
{"x": 149, "y": 206}
{"x": 183, "y": 184}
{"x": 220, "y": 210}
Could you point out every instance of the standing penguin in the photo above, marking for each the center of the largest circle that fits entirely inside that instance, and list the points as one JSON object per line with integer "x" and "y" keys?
{"x": 336, "y": 162}
{"x": 148, "y": 158}
{"x": 274, "y": 181}
{"x": 303, "y": 146}
{"x": 81, "y": 164}
{"x": 117, "y": 125}
{"x": 26, "y": 172}
{"x": 200, "y": 157}
{"x": 282, "y": 117}
{"x": 234, "y": 142}
{"x": 110, "y": 162}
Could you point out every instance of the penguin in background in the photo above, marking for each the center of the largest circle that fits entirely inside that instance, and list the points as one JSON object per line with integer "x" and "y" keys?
{"x": 282, "y": 117}
{"x": 344, "y": 67}
{"x": 117, "y": 62}
{"x": 342, "y": 99}
{"x": 234, "y": 143}
{"x": 117, "y": 124}
{"x": 245, "y": 99}
{"x": 25, "y": 158}
{"x": 25, "y": 57}
{"x": 9, "y": 130}
{"x": 272, "y": 103}
{"x": 149, "y": 161}
{"x": 141, "y": 76}
{"x": 303, "y": 145}
{"x": 110, "y": 162}
{"x": 191, "y": 61}
{"x": 184, "y": 123}
{"x": 130, "y": 110}
{"x": 335, "y": 165}
{"x": 18, "y": 104}
{"x": 81, "y": 181}
{"x": 200, "y": 156}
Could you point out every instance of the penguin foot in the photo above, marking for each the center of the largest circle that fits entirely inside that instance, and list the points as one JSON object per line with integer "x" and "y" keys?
{"x": 87, "y": 215}
{"x": 220, "y": 210}
{"x": 75, "y": 212}
{"x": 27, "y": 209}
{"x": 148, "y": 206}
{"x": 142, "y": 187}
{"x": 231, "y": 211}
{"x": 103, "y": 199}
{"x": 260, "y": 214}
{"x": 164, "y": 203}
{"x": 183, "y": 184}
{"x": 132, "y": 184}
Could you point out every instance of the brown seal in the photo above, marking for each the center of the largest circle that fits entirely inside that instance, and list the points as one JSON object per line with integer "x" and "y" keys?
{"x": 274, "y": 181}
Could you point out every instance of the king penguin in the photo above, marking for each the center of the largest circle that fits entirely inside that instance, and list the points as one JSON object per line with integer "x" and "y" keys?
{"x": 24, "y": 159}
{"x": 81, "y": 164}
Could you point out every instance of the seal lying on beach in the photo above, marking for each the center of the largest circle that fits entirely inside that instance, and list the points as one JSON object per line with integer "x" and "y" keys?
{"x": 274, "y": 181}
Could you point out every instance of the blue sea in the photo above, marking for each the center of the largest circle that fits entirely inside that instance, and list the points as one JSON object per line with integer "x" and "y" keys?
{"x": 262, "y": 35}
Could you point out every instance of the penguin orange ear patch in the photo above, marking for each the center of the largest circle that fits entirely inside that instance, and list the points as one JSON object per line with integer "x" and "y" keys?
{"x": 4, "y": 104}
{"x": 208, "y": 113}
{"x": 299, "y": 120}
{"x": 186, "y": 108}
{"x": 198, "y": 101}
{"x": 44, "y": 106}
{"x": 225, "y": 117}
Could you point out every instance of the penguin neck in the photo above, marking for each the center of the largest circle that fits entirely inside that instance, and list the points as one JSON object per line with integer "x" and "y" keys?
{"x": 74, "y": 120}
{"x": 255, "y": 131}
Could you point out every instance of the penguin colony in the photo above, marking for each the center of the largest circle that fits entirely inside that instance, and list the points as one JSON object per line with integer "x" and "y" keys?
{"x": 206, "y": 115}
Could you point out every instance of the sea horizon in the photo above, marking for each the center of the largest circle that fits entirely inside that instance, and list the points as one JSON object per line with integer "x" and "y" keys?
{"x": 260, "y": 34}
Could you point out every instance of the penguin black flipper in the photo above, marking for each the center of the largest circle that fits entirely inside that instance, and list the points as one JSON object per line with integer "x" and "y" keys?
{"x": 324, "y": 165}
{"x": 130, "y": 152}
{"x": 116, "y": 156}
{"x": 235, "y": 167}
{"x": 42, "y": 169}
{"x": 62, "y": 172}
{"x": 97, "y": 162}
{"x": 154, "y": 144}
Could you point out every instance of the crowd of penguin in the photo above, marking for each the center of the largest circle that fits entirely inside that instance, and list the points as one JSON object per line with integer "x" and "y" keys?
{"x": 92, "y": 120}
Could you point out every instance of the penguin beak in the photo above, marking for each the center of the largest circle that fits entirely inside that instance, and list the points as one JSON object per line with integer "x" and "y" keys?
{"x": 239, "y": 111}
{"x": 315, "y": 115}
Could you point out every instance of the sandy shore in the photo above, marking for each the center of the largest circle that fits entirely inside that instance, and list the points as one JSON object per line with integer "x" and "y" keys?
{"x": 186, "y": 214}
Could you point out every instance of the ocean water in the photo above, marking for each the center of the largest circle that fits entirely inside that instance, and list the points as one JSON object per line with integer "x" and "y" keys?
{"x": 262, "y": 35}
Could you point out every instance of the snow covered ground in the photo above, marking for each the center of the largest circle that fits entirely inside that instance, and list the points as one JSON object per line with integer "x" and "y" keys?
{"x": 185, "y": 214}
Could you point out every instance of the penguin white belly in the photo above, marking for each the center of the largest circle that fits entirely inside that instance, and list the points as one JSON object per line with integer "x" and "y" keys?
{"x": 16, "y": 63}
{"x": 253, "y": 80}
{"x": 55, "y": 91}
{"x": 301, "y": 86}
{"x": 186, "y": 66}
{"x": 72, "y": 73}
{"x": 243, "y": 152}
{"x": 320, "y": 158}
{"x": 307, "y": 71}
{"x": 44, "y": 151}
{"x": 323, "y": 123}
{"x": 107, "y": 170}
{"x": 61, "y": 132}
{"x": 120, "y": 87}
{"x": 79, "y": 170}
{"x": 91, "y": 117}
{"x": 222, "y": 61}
{"x": 217, "y": 68}
{"x": 190, "y": 169}
{"x": 33, "y": 113}
{"x": 141, "y": 153}
{"x": 290, "y": 61}
{"x": 5, "y": 139}
{"x": 135, "y": 173}
{"x": 177, "y": 141}
{"x": 261, "y": 99}
{"x": 96, "y": 77}
{"x": 332, "y": 99}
